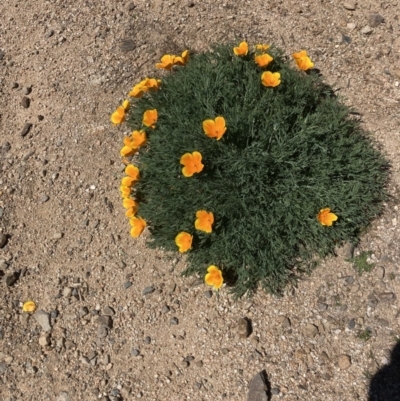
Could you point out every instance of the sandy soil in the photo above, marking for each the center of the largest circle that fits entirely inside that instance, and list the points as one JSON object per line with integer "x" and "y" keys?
{"x": 67, "y": 238}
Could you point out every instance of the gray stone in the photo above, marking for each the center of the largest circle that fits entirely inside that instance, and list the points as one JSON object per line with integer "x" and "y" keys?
{"x": 375, "y": 19}
{"x": 83, "y": 311}
{"x": 383, "y": 322}
{"x": 3, "y": 240}
{"x": 44, "y": 339}
{"x": 386, "y": 296}
{"x": 135, "y": 352}
{"x": 102, "y": 331}
{"x": 165, "y": 309}
{"x": 25, "y": 102}
{"x": 63, "y": 396}
{"x": 380, "y": 272}
{"x": 127, "y": 45}
{"x": 322, "y": 306}
{"x": 258, "y": 389}
{"x": 108, "y": 311}
{"x": 344, "y": 362}
{"x": 147, "y": 340}
{"x": 244, "y": 328}
{"x": 286, "y": 323}
{"x": 310, "y": 330}
{"x": 148, "y": 290}
{"x": 11, "y": 279}
{"x": 350, "y": 5}
{"x": 224, "y": 351}
{"x": 275, "y": 391}
{"x": 127, "y": 284}
{"x": 208, "y": 294}
{"x": 67, "y": 291}
{"x": 3, "y": 367}
{"x": 174, "y": 321}
{"x": 27, "y": 90}
{"x": 43, "y": 319}
{"x": 44, "y": 198}
{"x": 352, "y": 324}
{"x": 367, "y": 30}
{"x": 25, "y": 130}
{"x": 105, "y": 321}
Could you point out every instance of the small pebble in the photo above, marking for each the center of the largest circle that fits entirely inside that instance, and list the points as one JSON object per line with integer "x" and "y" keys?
{"x": 127, "y": 284}
{"x": 148, "y": 290}
{"x": 351, "y": 324}
{"x": 366, "y": 30}
{"x": 147, "y": 340}
{"x": 350, "y": 5}
{"x": 25, "y": 102}
{"x": 344, "y": 362}
{"x": 43, "y": 319}
{"x": 3, "y": 240}
{"x": 44, "y": 198}
{"x": 135, "y": 352}
{"x": 243, "y": 328}
{"x": 27, "y": 90}
{"x": 375, "y": 19}
{"x": 26, "y": 129}
{"x": 208, "y": 294}
{"x": 174, "y": 321}
{"x": 108, "y": 311}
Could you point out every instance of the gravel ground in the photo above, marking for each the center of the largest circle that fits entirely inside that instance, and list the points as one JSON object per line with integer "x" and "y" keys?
{"x": 116, "y": 320}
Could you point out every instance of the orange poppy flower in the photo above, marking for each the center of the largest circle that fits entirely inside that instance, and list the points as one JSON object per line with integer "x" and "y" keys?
{"x": 144, "y": 86}
{"x": 271, "y": 79}
{"x": 131, "y": 212}
{"x": 184, "y": 241}
{"x": 127, "y": 151}
{"x": 118, "y": 116}
{"x": 129, "y": 203}
{"x": 138, "y": 139}
{"x": 215, "y": 128}
{"x": 303, "y": 62}
{"x": 204, "y": 221}
{"x": 150, "y": 118}
{"x": 214, "y": 277}
{"x": 262, "y": 60}
{"x": 242, "y": 49}
{"x": 182, "y": 59}
{"x": 125, "y": 191}
{"x": 167, "y": 61}
{"x": 132, "y": 171}
{"x": 29, "y": 306}
{"x": 326, "y": 217}
{"x": 262, "y": 47}
{"x": 192, "y": 163}
{"x": 138, "y": 225}
{"x": 127, "y": 181}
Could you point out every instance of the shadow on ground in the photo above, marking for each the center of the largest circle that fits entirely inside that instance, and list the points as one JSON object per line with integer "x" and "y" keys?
{"x": 385, "y": 385}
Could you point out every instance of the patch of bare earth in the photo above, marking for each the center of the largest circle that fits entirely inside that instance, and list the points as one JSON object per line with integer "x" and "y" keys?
{"x": 67, "y": 238}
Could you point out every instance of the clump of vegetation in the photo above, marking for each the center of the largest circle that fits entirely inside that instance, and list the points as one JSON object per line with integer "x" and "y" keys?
{"x": 365, "y": 335}
{"x": 248, "y": 163}
{"x": 361, "y": 263}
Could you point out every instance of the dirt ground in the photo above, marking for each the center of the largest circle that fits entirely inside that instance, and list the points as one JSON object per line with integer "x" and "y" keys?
{"x": 68, "y": 241}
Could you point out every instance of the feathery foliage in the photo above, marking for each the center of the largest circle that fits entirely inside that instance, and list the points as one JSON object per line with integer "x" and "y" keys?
{"x": 288, "y": 152}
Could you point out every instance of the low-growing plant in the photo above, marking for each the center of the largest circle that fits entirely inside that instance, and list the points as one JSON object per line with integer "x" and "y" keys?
{"x": 248, "y": 163}
{"x": 361, "y": 263}
{"x": 365, "y": 335}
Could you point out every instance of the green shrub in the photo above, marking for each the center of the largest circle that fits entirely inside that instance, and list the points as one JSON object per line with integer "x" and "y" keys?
{"x": 288, "y": 152}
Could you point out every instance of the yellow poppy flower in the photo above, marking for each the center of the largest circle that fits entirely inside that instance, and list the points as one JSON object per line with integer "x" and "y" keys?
{"x": 262, "y": 60}
{"x": 138, "y": 225}
{"x": 303, "y": 62}
{"x": 214, "y": 277}
{"x": 138, "y": 139}
{"x": 129, "y": 203}
{"x": 262, "y": 47}
{"x": 326, "y": 217}
{"x": 131, "y": 212}
{"x": 126, "y": 105}
{"x": 204, "y": 221}
{"x": 144, "y": 86}
{"x": 167, "y": 61}
{"x": 125, "y": 191}
{"x": 127, "y": 181}
{"x": 137, "y": 91}
{"x": 118, "y": 116}
{"x": 184, "y": 241}
{"x": 242, "y": 49}
{"x": 215, "y": 128}
{"x": 127, "y": 151}
{"x": 182, "y": 59}
{"x": 132, "y": 171}
{"x": 271, "y": 79}
{"x": 150, "y": 117}
{"x": 29, "y": 306}
{"x": 192, "y": 163}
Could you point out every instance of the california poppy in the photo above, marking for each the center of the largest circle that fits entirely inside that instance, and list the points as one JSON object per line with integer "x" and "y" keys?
{"x": 192, "y": 163}
{"x": 214, "y": 277}
{"x": 184, "y": 241}
{"x": 167, "y": 61}
{"x": 132, "y": 171}
{"x": 215, "y": 128}
{"x": 150, "y": 118}
{"x": 182, "y": 59}
{"x": 271, "y": 79}
{"x": 326, "y": 217}
{"x": 138, "y": 225}
{"x": 242, "y": 49}
{"x": 262, "y": 60}
{"x": 302, "y": 60}
{"x": 204, "y": 221}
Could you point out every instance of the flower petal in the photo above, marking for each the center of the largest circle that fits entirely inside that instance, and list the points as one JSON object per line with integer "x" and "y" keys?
{"x": 132, "y": 171}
